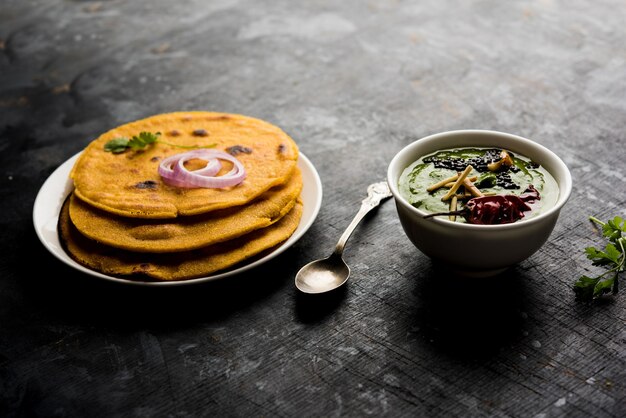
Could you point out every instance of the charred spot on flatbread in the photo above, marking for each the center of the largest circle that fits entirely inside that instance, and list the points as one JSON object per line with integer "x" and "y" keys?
{"x": 148, "y": 184}
{"x": 200, "y": 132}
{"x": 238, "y": 149}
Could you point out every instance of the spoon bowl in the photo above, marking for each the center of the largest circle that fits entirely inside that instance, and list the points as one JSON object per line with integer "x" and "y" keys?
{"x": 323, "y": 275}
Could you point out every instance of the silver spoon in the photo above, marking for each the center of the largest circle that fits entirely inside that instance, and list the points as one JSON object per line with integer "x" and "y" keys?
{"x": 329, "y": 273}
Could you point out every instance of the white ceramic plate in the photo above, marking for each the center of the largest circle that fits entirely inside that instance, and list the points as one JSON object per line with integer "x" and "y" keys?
{"x": 56, "y": 188}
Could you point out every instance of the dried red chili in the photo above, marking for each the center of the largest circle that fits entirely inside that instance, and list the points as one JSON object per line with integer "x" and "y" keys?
{"x": 493, "y": 210}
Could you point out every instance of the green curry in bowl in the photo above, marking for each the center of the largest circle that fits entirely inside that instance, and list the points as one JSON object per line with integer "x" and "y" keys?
{"x": 483, "y": 184}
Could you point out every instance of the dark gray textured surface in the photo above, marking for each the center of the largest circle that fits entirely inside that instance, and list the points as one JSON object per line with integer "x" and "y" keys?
{"x": 352, "y": 82}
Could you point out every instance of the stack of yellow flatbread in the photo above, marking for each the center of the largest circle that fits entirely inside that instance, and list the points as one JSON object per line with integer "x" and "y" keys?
{"x": 123, "y": 220}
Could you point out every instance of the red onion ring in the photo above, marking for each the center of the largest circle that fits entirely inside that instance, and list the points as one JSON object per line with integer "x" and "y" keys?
{"x": 174, "y": 172}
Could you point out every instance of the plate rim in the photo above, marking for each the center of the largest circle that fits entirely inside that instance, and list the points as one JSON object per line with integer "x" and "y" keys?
{"x": 58, "y": 185}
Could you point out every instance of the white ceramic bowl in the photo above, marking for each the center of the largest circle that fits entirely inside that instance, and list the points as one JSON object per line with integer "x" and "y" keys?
{"x": 478, "y": 250}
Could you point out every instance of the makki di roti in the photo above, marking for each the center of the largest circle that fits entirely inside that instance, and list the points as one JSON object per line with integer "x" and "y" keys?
{"x": 136, "y": 215}
{"x": 174, "y": 266}
{"x": 185, "y": 233}
{"x": 128, "y": 183}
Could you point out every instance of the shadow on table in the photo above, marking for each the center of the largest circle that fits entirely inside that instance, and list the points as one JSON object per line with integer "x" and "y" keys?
{"x": 470, "y": 317}
{"x": 75, "y": 297}
{"x": 314, "y": 308}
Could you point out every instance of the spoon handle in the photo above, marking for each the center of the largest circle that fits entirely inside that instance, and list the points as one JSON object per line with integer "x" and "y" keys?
{"x": 376, "y": 193}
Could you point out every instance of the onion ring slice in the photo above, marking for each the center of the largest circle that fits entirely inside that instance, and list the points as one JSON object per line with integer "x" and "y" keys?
{"x": 174, "y": 173}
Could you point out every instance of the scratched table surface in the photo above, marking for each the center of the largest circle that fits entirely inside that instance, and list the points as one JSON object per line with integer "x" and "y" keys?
{"x": 352, "y": 82}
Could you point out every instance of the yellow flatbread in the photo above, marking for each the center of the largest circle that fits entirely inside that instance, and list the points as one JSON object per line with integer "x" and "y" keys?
{"x": 128, "y": 183}
{"x": 185, "y": 233}
{"x": 173, "y": 266}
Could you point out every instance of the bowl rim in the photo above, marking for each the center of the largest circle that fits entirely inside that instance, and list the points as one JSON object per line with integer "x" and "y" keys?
{"x": 565, "y": 185}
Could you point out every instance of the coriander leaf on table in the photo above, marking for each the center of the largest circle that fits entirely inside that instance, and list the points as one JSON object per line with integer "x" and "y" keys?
{"x": 589, "y": 288}
{"x": 613, "y": 228}
{"x": 612, "y": 259}
{"x": 600, "y": 258}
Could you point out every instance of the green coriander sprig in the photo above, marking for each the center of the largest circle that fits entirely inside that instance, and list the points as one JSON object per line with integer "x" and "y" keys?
{"x": 138, "y": 142}
{"x": 612, "y": 258}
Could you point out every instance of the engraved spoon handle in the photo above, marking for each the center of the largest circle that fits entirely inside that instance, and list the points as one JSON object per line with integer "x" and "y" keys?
{"x": 376, "y": 193}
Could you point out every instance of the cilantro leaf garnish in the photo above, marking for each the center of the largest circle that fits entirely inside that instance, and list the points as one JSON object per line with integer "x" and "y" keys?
{"x": 139, "y": 142}
{"x": 142, "y": 140}
{"x": 612, "y": 258}
{"x": 116, "y": 145}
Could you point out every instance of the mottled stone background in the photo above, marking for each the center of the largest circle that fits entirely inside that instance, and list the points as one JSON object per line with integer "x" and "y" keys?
{"x": 352, "y": 82}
